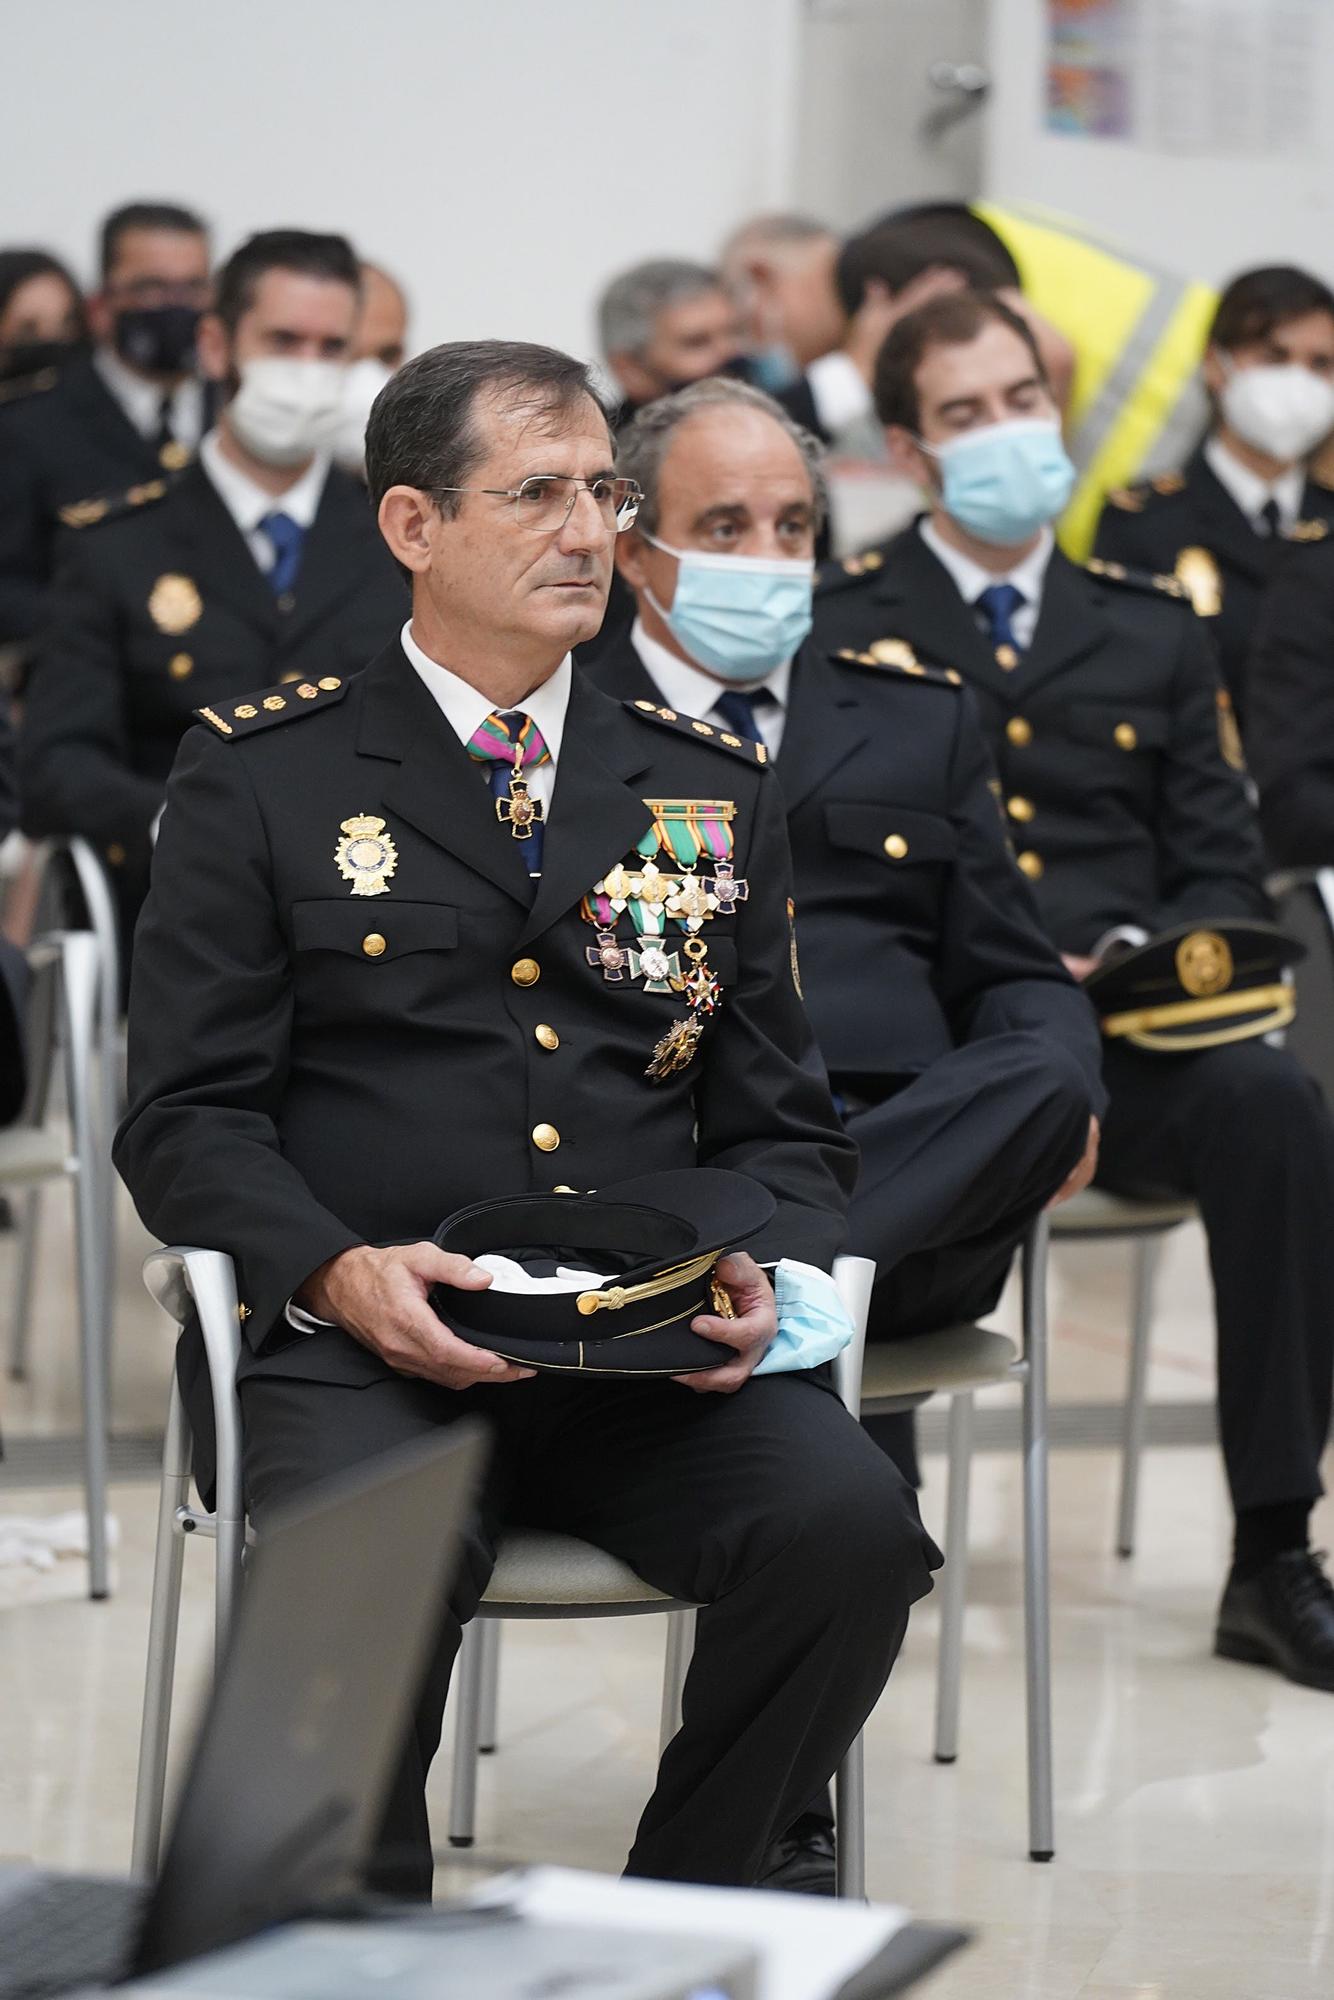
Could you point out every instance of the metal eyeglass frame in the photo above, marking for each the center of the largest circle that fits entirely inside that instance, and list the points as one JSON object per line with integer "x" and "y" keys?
{"x": 632, "y": 503}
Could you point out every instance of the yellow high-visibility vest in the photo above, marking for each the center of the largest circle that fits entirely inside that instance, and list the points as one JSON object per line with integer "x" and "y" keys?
{"x": 1138, "y": 333}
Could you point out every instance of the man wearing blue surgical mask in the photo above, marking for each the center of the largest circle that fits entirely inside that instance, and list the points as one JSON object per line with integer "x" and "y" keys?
{"x": 1121, "y": 783}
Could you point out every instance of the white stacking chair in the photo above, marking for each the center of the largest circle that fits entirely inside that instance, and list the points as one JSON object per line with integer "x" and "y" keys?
{"x": 66, "y": 974}
{"x": 537, "y": 1575}
{"x": 1097, "y": 1216}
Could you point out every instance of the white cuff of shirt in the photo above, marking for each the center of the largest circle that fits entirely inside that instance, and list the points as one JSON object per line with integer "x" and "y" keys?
{"x": 303, "y": 1321}
{"x": 1131, "y": 934}
{"x": 839, "y": 392}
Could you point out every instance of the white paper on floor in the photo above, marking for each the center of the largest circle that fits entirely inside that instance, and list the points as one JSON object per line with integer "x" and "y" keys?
{"x": 38, "y": 1543}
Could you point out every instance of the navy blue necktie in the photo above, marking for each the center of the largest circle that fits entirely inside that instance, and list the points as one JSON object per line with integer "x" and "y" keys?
{"x": 998, "y": 604}
{"x": 1272, "y": 519}
{"x": 739, "y": 710}
{"x": 288, "y": 538}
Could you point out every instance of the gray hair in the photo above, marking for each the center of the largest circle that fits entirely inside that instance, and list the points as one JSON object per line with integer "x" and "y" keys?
{"x": 643, "y": 444}
{"x": 776, "y": 229}
{"x": 632, "y": 302}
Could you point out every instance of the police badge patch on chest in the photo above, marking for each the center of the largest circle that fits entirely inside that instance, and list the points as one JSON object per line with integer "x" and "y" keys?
{"x": 366, "y": 855}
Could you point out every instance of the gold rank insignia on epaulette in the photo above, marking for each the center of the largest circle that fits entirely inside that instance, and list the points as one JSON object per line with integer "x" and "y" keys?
{"x": 21, "y": 386}
{"x": 1138, "y": 579}
{"x": 704, "y": 732}
{"x": 1130, "y": 499}
{"x": 1168, "y": 483}
{"x": 840, "y": 572}
{"x": 111, "y": 507}
{"x": 897, "y": 656}
{"x": 234, "y": 719}
{"x": 1307, "y": 531}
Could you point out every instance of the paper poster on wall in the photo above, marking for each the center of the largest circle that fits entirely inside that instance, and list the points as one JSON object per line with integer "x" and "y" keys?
{"x": 1215, "y": 78}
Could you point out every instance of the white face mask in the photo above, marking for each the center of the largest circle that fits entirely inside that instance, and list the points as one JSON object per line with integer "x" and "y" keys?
{"x": 286, "y": 411}
{"x": 362, "y": 383}
{"x": 1283, "y": 410}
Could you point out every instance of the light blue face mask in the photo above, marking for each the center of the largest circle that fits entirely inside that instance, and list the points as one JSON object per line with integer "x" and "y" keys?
{"x": 1005, "y": 482}
{"x": 813, "y": 1325}
{"x": 739, "y": 616}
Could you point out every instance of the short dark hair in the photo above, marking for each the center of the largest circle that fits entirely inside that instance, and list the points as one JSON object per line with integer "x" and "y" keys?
{"x": 952, "y": 320}
{"x": 1255, "y": 302}
{"x": 422, "y": 432}
{"x": 329, "y": 257}
{"x": 144, "y": 215}
{"x": 898, "y": 247}
{"x": 17, "y": 266}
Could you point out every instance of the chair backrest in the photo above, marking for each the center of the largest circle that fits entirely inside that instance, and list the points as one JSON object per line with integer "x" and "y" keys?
{"x": 854, "y": 1278}
{"x": 40, "y": 1027}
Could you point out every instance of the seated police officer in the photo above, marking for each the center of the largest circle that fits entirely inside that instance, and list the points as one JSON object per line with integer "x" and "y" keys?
{"x": 405, "y": 950}
{"x": 1099, "y": 696}
{"x": 1221, "y": 522}
{"x": 111, "y": 420}
{"x": 260, "y": 562}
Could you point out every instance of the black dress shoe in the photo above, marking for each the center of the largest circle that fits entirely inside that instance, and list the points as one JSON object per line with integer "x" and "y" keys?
{"x": 1282, "y": 1617}
{"x": 801, "y": 1861}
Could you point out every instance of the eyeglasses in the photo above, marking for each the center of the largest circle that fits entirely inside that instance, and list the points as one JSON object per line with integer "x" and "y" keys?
{"x": 544, "y": 503}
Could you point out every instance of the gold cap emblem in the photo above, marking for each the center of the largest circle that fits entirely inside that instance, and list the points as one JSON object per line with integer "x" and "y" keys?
{"x": 174, "y": 603}
{"x": 1204, "y": 964}
{"x": 366, "y": 855}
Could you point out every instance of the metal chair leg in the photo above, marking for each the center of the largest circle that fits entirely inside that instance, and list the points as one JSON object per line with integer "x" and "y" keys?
{"x": 27, "y": 1233}
{"x": 487, "y": 1726}
{"x": 211, "y": 1278}
{"x": 1037, "y": 1579}
{"x": 680, "y": 1647}
{"x": 954, "y": 1580}
{"x": 163, "y": 1621}
{"x": 78, "y": 988}
{"x": 850, "y": 1823}
{"x": 1148, "y": 1249}
{"x": 463, "y": 1784}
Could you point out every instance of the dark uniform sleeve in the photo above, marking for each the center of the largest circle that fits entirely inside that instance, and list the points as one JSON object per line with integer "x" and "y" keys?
{"x": 210, "y": 1027}
{"x": 998, "y": 972}
{"x": 1290, "y": 719}
{"x": 24, "y": 548}
{"x": 9, "y": 797}
{"x": 75, "y": 772}
{"x": 764, "y": 1103}
{"x": 1209, "y": 859}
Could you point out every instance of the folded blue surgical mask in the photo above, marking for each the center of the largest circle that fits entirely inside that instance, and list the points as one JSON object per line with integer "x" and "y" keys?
{"x": 813, "y": 1325}
{"x": 739, "y": 616}
{"x": 1005, "y": 482}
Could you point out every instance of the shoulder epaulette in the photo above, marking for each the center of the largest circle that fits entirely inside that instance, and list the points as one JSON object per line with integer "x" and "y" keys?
{"x": 234, "y": 719}
{"x": 1138, "y": 579}
{"x": 839, "y": 573}
{"x": 702, "y": 732}
{"x": 113, "y": 506}
{"x": 1134, "y": 499}
{"x": 1314, "y": 530}
{"x": 896, "y": 656}
{"x": 23, "y": 386}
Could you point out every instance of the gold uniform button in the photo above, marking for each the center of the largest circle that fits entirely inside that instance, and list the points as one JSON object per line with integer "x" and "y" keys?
{"x": 180, "y": 666}
{"x": 546, "y": 1036}
{"x": 896, "y": 847}
{"x": 1032, "y": 865}
{"x": 1019, "y": 731}
{"x": 561, "y": 1188}
{"x": 1127, "y": 737}
{"x": 525, "y": 972}
{"x": 330, "y": 682}
{"x": 1020, "y": 809}
{"x": 116, "y": 854}
{"x": 373, "y": 945}
{"x": 546, "y": 1138}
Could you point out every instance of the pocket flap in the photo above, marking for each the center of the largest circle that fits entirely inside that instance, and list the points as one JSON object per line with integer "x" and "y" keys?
{"x": 374, "y": 928}
{"x": 895, "y": 834}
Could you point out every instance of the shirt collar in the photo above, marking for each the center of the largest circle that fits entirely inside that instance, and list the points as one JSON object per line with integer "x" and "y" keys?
{"x": 465, "y": 708}
{"x": 970, "y": 577}
{"x": 1250, "y": 491}
{"x": 691, "y": 690}
{"x": 141, "y": 400}
{"x": 248, "y": 504}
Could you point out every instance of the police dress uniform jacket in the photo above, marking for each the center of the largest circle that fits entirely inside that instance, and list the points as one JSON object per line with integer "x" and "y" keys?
{"x": 1187, "y": 524}
{"x": 67, "y": 443}
{"x": 312, "y": 1068}
{"x": 1112, "y": 750}
{"x": 1290, "y": 718}
{"x": 162, "y": 609}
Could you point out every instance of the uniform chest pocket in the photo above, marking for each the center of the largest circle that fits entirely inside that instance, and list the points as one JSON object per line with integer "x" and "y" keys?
{"x": 1119, "y": 727}
{"x": 895, "y": 835}
{"x": 373, "y": 929}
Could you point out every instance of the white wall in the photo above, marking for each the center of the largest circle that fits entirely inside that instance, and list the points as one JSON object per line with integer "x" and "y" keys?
{"x": 1203, "y": 217}
{"x": 504, "y": 157}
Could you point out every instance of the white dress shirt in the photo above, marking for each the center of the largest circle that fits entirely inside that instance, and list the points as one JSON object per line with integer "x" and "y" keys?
{"x": 1251, "y": 492}
{"x": 141, "y": 400}
{"x": 248, "y": 504}
{"x": 465, "y": 710}
{"x": 1029, "y": 576}
{"x": 692, "y": 690}
{"x": 839, "y": 391}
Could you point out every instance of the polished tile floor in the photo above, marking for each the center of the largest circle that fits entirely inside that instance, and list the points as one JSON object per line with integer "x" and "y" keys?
{"x": 1195, "y": 1800}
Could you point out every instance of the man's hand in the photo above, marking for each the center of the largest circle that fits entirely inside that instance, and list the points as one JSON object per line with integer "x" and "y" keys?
{"x": 1076, "y": 1181}
{"x": 882, "y": 309}
{"x": 1077, "y": 967}
{"x": 749, "y": 1333}
{"x": 379, "y": 1297}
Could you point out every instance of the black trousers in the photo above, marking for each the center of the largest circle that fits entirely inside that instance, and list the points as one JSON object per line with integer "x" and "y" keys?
{"x": 770, "y": 1508}
{"x": 1244, "y": 1132}
{"x": 955, "y": 1166}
